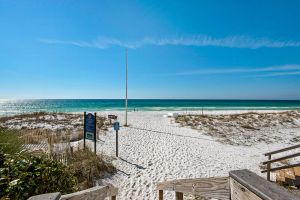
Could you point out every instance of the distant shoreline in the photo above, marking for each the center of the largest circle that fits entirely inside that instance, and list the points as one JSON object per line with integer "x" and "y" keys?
{"x": 13, "y": 107}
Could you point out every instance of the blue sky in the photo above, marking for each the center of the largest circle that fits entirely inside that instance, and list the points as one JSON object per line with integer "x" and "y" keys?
{"x": 176, "y": 49}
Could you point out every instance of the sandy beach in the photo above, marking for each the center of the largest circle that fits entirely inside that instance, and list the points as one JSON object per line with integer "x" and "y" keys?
{"x": 154, "y": 148}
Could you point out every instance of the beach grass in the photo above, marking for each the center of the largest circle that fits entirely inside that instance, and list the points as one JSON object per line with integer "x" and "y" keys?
{"x": 10, "y": 141}
{"x": 242, "y": 128}
{"x": 37, "y": 127}
{"x": 89, "y": 167}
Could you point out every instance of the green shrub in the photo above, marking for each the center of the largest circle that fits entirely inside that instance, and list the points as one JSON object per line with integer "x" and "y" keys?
{"x": 22, "y": 176}
{"x": 10, "y": 141}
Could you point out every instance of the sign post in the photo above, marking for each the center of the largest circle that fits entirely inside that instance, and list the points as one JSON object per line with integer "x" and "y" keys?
{"x": 117, "y": 128}
{"x": 84, "y": 132}
{"x": 95, "y": 133}
{"x": 90, "y": 122}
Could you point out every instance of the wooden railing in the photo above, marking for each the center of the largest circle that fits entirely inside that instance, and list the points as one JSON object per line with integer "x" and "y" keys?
{"x": 245, "y": 184}
{"x": 270, "y": 160}
{"x": 95, "y": 193}
{"x": 240, "y": 185}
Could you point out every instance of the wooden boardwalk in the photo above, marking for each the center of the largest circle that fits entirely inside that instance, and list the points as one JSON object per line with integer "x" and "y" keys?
{"x": 240, "y": 185}
{"x": 210, "y": 188}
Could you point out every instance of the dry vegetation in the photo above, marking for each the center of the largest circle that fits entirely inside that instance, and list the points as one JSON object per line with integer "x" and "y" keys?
{"x": 248, "y": 128}
{"x": 38, "y": 127}
{"x": 58, "y": 135}
{"x": 89, "y": 167}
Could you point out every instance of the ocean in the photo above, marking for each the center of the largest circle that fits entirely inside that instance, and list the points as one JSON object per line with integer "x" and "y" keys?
{"x": 12, "y": 107}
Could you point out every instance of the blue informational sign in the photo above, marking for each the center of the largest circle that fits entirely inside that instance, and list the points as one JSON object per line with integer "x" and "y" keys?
{"x": 116, "y": 126}
{"x": 90, "y": 126}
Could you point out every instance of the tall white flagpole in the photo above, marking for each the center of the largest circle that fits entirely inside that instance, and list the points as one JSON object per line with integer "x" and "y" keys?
{"x": 126, "y": 101}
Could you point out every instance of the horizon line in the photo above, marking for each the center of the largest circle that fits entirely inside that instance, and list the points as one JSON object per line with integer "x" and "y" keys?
{"x": 201, "y": 99}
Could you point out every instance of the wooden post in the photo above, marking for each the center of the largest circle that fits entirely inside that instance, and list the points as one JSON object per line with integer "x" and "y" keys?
{"x": 117, "y": 144}
{"x": 113, "y": 198}
{"x": 268, "y": 168}
{"x": 160, "y": 195}
{"x": 84, "y": 115}
{"x": 95, "y": 134}
{"x": 179, "y": 196}
{"x": 49, "y": 146}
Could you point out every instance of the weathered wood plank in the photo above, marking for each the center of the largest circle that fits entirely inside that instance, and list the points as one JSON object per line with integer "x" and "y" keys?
{"x": 179, "y": 196}
{"x": 217, "y": 188}
{"x": 239, "y": 192}
{"x": 288, "y": 176}
{"x": 50, "y": 196}
{"x": 282, "y": 167}
{"x": 289, "y": 173}
{"x": 282, "y": 150}
{"x": 297, "y": 171}
{"x": 95, "y": 193}
{"x": 260, "y": 187}
{"x": 112, "y": 190}
{"x": 268, "y": 169}
{"x": 280, "y": 176}
{"x": 282, "y": 158}
{"x": 161, "y": 195}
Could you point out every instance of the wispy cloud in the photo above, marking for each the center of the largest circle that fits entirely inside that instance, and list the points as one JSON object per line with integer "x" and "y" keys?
{"x": 196, "y": 40}
{"x": 276, "y": 71}
{"x": 280, "y": 74}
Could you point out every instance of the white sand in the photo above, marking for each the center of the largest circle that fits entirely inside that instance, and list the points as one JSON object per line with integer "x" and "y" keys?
{"x": 155, "y": 149}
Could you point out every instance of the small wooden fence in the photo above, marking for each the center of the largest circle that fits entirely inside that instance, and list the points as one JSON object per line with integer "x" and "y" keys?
{"x": 34, "y": 139}
{"x": 62, "y": 155}
{"x": 270, "y": 160}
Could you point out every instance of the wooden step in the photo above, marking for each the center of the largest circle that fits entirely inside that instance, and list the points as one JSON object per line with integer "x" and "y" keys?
{"x": 291, "y": 182}
{"x": 280, "y": 178}
{"x": 289, "y": 173}
{"x": 290, "y": 177}
{"x": 297, "y": 171}
{"x": 281, "y": 175}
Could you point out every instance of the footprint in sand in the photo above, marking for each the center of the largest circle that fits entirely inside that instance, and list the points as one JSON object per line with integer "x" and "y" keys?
{"x": 133, "y": 185}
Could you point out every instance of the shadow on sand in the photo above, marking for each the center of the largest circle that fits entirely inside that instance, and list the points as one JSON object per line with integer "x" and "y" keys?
{"x": 155, "y": 131}
{"x": 136, "y": 165}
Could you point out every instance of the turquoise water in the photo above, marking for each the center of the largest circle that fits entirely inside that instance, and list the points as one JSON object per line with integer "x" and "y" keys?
{"x": 10, "y": 107}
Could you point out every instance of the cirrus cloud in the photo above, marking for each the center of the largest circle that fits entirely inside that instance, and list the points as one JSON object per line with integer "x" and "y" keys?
{"x": 282, "y": 70}
{"x": 196, "y": 40}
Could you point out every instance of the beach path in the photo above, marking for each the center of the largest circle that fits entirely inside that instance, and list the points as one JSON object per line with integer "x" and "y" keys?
{"x": 154, "y": 149}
